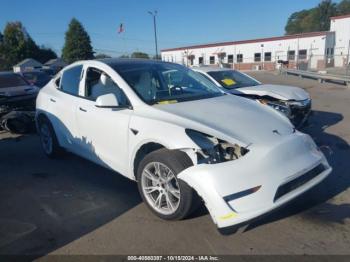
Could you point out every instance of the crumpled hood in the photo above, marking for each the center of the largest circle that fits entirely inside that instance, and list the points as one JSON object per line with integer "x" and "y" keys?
{"x": 18, "y": 91}
{"x": 277, "y": 91}
{"x": 239, "y": 118}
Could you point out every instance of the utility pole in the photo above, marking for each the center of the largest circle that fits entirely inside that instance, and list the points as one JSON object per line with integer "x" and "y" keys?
{"x": 262, "y": 56}
{"x": 348, "y": 60}
{"x": 154, "y": 14}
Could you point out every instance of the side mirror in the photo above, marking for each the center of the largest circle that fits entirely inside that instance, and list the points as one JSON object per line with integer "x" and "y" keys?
{"x": 107, "y": 101}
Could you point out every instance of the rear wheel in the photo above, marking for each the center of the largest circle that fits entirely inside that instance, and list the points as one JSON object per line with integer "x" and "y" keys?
{"x": 167, "y": 196}
{"x": 48, "y": 138}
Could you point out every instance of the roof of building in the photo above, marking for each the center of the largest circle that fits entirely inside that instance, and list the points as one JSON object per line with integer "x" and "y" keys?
{"x": 55, "y": 61}
{"x": 259, "y": 40}
{"x": 29, "y": 62}
{"x": 340, "y": 17}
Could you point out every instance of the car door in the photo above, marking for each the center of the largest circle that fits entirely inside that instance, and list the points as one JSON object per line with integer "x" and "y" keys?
{"x": 63, "y": 105}
{"x": 103, "y": 132}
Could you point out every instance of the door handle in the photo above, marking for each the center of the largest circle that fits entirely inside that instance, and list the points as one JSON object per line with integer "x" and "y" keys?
{"x": 52, "y": 100}
{"x": 82, "y": 109}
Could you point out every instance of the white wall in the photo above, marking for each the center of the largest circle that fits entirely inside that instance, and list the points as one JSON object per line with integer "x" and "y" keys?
{"x": 315, "y": 46}
{"x": 341, "y": 27}
{"x": 337, "y": 41}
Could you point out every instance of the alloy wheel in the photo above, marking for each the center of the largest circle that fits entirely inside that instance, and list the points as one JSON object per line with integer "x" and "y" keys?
{"x": 160, "y": 188}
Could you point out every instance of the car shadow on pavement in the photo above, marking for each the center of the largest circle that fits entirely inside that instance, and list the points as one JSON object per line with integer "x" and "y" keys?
{"x": 312, "y": 204}
{"x": 48, "y": 203}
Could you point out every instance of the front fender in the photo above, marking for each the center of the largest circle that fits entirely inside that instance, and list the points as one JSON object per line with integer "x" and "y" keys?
{"x": 170, "y": 136}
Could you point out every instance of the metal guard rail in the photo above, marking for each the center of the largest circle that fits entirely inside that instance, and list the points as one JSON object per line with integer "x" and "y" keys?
{"x": 319, "y": 76}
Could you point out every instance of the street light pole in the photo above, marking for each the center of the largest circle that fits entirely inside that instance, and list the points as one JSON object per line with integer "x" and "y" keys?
{"x": 154, "y": 14}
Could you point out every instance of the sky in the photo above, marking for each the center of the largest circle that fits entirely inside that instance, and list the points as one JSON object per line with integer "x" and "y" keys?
{"x": 179, "y": 22}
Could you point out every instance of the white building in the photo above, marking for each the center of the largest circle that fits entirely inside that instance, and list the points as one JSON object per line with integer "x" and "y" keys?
{"x": 27, "y": 64}
{"x": 341, "y": 26}
{"x": 315, "y": 50}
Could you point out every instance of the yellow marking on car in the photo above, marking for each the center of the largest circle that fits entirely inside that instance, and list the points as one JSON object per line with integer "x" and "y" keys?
{"x": 228, "y": 81}
{"x": 165, "y": 102}
{"x": 229, "y": 215}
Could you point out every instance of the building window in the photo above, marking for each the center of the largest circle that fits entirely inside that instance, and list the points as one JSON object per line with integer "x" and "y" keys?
{"x": 212, "y": 60}
{"x": 230, "y": 59}
{"x": 303, "y": 54}
{"x": 239, "y": 58}
{"x": 267, "y": 56}
{"x": 200, "y": 60}
{"x": 257, "y": 57}
{"x": 291, "y": 55}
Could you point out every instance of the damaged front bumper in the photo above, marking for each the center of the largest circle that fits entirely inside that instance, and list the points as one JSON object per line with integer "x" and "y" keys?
{"x": 300, "y": 113}
{"x": 264, "y": 179}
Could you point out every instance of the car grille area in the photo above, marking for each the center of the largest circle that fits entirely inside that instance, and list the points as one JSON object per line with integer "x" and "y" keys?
{"x": 299, "y": 181}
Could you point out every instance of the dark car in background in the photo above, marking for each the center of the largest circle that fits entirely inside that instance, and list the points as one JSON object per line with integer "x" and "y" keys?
{"x": 17, "y": 103}
{"x": 37, "y": 78}
{"x": 15, "y": 90}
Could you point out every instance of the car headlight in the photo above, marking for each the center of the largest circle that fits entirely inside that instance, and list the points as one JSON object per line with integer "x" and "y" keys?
{"x": 300, "y": 103}
{"x": 214, "y": 150}
{"x": 279, "y": 106}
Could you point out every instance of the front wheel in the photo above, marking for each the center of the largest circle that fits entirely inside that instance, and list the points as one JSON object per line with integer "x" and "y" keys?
{"x": 167, "y": 196}
{"x": 48, "y": 138}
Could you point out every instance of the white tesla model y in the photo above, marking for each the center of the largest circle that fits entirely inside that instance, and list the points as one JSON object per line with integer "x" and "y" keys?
{"x": 180, "y": 137}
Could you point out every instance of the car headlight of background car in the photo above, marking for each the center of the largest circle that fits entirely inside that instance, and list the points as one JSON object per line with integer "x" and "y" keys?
{"x": 214, "y": 150}
{"x": 301, "y": 103}
{"x": 278, "y": 105}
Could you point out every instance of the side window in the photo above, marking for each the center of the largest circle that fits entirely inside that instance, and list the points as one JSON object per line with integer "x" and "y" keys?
{"x": 99, "y": 83}
{"x": 70, "y": 80}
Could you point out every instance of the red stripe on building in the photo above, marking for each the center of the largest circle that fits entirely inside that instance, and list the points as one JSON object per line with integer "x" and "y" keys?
{"x": 340, "y": 17}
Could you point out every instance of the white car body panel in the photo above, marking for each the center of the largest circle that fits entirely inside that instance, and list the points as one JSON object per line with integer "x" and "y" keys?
{"x": 281, "y": 92}
{"x": 277, "y": 153}
{"x": 298, "y": 154}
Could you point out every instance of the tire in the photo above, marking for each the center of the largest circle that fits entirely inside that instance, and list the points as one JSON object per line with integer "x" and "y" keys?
{"x": 48, "y": 139}
{"x": 178, "y": 200}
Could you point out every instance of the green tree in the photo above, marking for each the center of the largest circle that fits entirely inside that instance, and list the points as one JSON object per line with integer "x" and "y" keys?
{"x": 124, "y": 56}
{"x": 310, "y": 20}
{"x": 45, "y": 54}
{"x": 139, "y": 55}
{"x": 325, "y": 10}
{"x": 77, "y": 43}
{"x": 295, "y": 22}
{"x": 16, "y": 45}
{"x": 343, "y": 8}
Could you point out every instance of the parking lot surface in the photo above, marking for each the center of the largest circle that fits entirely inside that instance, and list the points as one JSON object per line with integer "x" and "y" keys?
{"x": 72, "y": 206}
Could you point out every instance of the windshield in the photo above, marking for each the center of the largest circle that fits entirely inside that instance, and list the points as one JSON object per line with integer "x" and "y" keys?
{"x": 166, "y": 83}
{"x": 11, "y": 80}
{"x": 38, "y": 78}
{"x": 231, "y": 79}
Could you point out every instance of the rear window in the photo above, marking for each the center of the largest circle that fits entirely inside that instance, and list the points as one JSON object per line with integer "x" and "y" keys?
{"x": 11, "y": 80}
